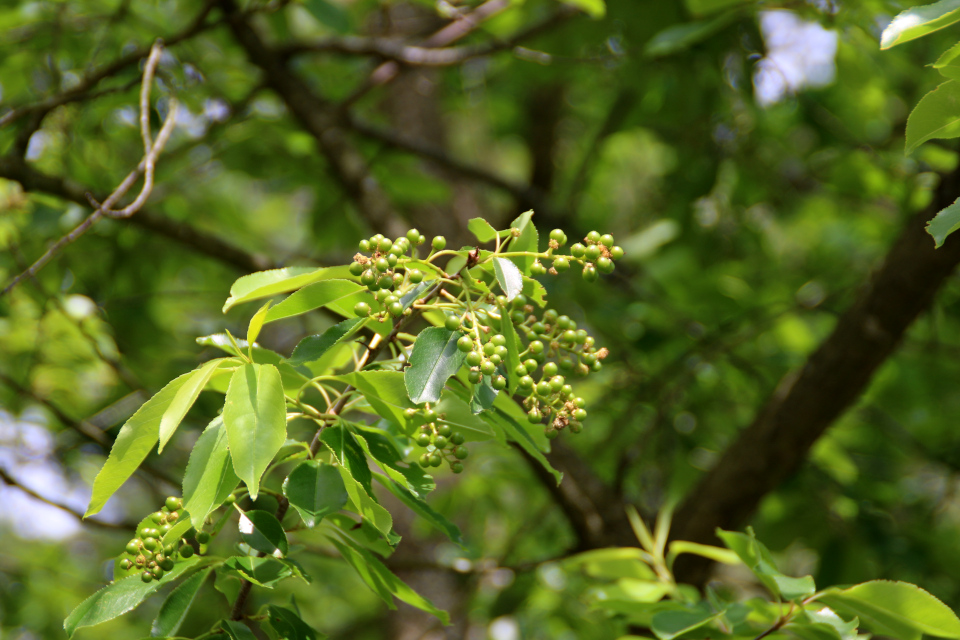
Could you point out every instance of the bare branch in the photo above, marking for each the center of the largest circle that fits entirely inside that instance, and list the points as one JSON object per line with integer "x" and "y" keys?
{"x": 146, "y": 166}
{"x": 11, "y": 481}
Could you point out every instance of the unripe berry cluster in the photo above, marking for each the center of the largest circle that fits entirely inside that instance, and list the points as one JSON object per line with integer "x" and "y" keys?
{"x": 149, "y": 555}
{"x": 596, "y": 255}
{"x": 440, "y": 441}
{"x": 384, "y": 273}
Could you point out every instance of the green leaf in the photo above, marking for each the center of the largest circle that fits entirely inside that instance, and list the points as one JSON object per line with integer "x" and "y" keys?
{"x": 612, "y": 563}
{"x": 681, "y": 37}
{"x": 288, "y": 624}
{"x": 263, "y": 572}
{"x": 177, "y": 531}
{"x": 484, "y": 395}
{"x": 132, "y": 445}
{"x": 917, "y": 22}
{"x": 174, "y": 609}
{"x": 312, "y": 348}
{"x": 937, "y": 115}
{"x": 209, "y": 478}
{"x": 185, "y": 397}
{"x": 381, "y": 580}
{"x": 508, "y": 277}
{"x": 329, "y": 14}
{"x": 255, "y": 417}
{"x": 434, "y": 359}
{"x": 263, "y": 532}
{"x": 528, "y": 240}
{"x": 701, "y": 7}
{"x": 895, "y": 609}
{"x": 120, "y": 597}
{"x": 593, "y": 8}
{"x": 515, "y": 432}
{"x": 340, "y": 440}
{"x": 256, "y": 323}
{"x": 947, "y": 57}
{"x": 236, "y": 630}
{"x": 332, "y": 293}
{"x": 825, "y": 616}
{"x": 421, "y": 508}
{"x": 377, "y": 445}
{"x": 667, "y": 625}
{"x": 717, "y": 554}
{"x": 482, "y": 229}
{"x": 386, "y": 392}
{"x": 366, "y": 506}
{"x": 265, "y": 284}
{"x": 513, "y": 349}
{"x": 534, "y": 291}
{"x": 456, "y": 413}
{"x": 757, "y": 557}
{"x": 944, "y": 223}
{"x": 315, "y": 489}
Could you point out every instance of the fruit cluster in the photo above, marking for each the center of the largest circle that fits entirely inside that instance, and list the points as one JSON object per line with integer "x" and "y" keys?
{"x": 596, "y": 255}
{"x": 149, "y": 554}
{"x": 440, "y": 441}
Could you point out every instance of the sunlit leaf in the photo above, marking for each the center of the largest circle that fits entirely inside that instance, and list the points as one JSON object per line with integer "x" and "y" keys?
{"x": 919, "y": 21}
{"x": 937, "y": 115}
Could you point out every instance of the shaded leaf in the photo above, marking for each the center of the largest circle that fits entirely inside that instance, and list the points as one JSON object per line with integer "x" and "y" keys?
{"x": 120, "y": 597}
{"x": 255, "y": 419}
{"x": 944, "y": 223}
{"x": 456, "y": 413}
{"x": 701, "y": 7}
{"x": 386, "y": 392}
{"x": 379, "y": 446}
{"x": 132, "y": 445}
{"x": 434, "y": 359}
{"x": 264, "y": 284}
{"x": 593, "y": 8}
{"x": 757, "y": 557}
{"x": 683, "y": 36}
{"x": 670, "y": 624}
{"x": 288, "y": 624}
{"x": 315, "y": 489}
{"x": 516, "y": 433}
{"x": 419, "y": 506}
{"x": 236, "y": 630}
{"x": 329, "y": 14}
{"x": 174, "y": 609}
{"x": 263, "y": 572}
{"x": 483, "y": 397}
{"x": 312, "y": 348}
{"x": 263, "y": 532}
{"x": 209, "y": 478}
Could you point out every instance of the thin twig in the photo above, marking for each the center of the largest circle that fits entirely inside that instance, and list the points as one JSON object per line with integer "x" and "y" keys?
{"x": 145, "y": 168}
{"x": 9, "y": 480}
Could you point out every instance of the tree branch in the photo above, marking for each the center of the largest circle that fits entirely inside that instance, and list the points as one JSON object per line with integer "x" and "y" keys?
{"x": 807, "y": 401}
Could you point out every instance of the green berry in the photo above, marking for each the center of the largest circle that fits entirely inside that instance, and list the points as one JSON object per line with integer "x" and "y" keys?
{"x": 538, "y": 328}
{"x": 416, "y": 276}
{"x": 452, "y": 323}
{"x": 169, "y": 549}
{"x": 413, "y": 236}
{"x": 166, "y": 564}
{"x": 364, "y": 245}
{"x": 590, "y": 273}
{"x": 531, "y": 365}
{"x": 520, "y": 370}
{"x": 561, "y": 265}
{"x": 435, "y": 459}
{"x": 368, "y": 278}
{"x": 606, "y": 240}
{"x": 133, "y": 547}
{"x": 550, "y": 369}
{"x": 489, "y": 348}
{"x": 203, "y": 537}
{"x": 444, "y": 430}
{"x": 382, "y": 265}
{"x": 465, "y": 344}
{"x": 577, "y": 250}
{"x": 580, "y": 414}
{"x": 487, "y": 368}
{"x": 457, "y": 438}
{"x": 356, "y": 269}
{"x": 425, "y": 460}
{"x": 543, "y": 389}
{"x": 537, "y": 268}
{"x": 157, "y": 517}
{"x": 566, "y": 364}
{"x": 386, "y": 244}
{"x": 362, "y": 309}
{"x": 392, "y": 260}
{"x": 146, "y": 576}
{"x": 395, "y": 309}
{"x": 558, "y": 235}
{"x": 501, "y": 351}
{"x": 580, "y": 402}
{"x": 499, "y": 383}
{"x": 593, "y": 252}
{"x": 165, "y": 527}
{"x": 423, "y": 439}
{"x": 474, "y": 359}
{"x": 616, "y": 252}
{"x": 593, "y": 237}
{"x": 429, "y": 415}
{"x": 456, "y": 467}
{"x": 517, "y": 317}
{"x": 496, "y": 359}
{"x": 550, "y": 315}
{"x": 535, "y": 347}
{"x": 525, "y": 382}
{"x": 566, "y": 391}
{"x": 568, "y": 336}
{"x": 551, "y": 433}
{"x": 399, "y": 247}
{"x": 461, "y": 453}
{"x": 186, "y": 551}
{"x": 440, "y": 442}
{"x": 605, "y": 265}
{"x": 126, "y": 564}
{"x": 556, "y": 383}
{"x": 563, "y": 322}
{"x": 533, "y": 417}
{"x": 474, "y": 376}
{"x": 151, "y": 544}
{"x": 439, "y": 243}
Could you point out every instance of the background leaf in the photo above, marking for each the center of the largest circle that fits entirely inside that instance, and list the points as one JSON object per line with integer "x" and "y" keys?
{"x": 937, "y": 115}
{"x": 896, "y": 609}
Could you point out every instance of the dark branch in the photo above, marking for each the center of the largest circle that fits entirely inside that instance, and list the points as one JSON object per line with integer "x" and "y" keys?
{"x": 808, "y": 401}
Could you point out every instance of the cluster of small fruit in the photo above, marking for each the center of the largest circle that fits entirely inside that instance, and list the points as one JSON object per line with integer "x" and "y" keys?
{"x": 440, "y": 441}
{"x": 147, "y": 551}
{"x": 597, "y": 254}
{"x": 381, "y": 272}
